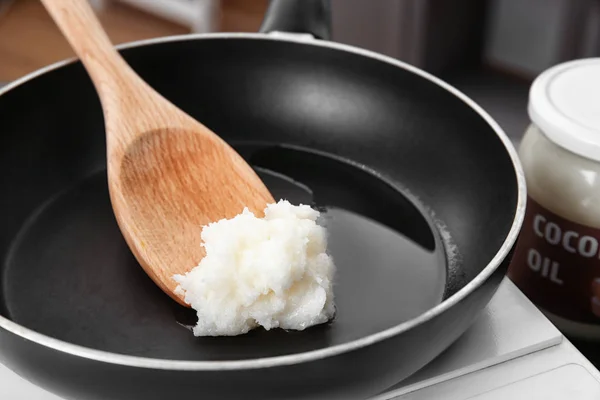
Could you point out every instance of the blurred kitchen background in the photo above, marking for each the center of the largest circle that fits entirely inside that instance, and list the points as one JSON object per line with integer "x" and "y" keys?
{"x": 490, "y": 49}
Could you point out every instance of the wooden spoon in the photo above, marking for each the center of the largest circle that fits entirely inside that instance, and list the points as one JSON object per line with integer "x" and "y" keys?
{"x": 168, "y": 175}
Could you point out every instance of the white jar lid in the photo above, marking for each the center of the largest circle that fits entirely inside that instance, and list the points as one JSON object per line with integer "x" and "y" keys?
{"x": 564, "y": 102}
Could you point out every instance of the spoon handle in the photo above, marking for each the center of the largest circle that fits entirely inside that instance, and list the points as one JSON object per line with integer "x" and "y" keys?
{"x": 127, "y": 100}
{"x": 80, "y": 26}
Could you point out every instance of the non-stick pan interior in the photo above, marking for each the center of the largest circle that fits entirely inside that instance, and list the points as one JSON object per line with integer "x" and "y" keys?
{"x": 390, "y": 158}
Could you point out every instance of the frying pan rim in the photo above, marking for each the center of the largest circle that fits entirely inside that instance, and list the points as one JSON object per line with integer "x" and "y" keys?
{"x": 313, "y": 355}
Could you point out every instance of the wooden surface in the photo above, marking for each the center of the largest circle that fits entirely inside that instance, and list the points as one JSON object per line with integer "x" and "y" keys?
{"x": 168, "y": 175}
{"x": 30, "y": 40}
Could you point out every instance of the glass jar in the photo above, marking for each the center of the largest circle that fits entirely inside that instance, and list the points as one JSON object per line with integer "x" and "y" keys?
{"x": 557, "y": 258}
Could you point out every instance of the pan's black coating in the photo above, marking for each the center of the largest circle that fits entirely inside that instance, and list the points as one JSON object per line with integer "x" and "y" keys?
{"x": 429, "y": 157}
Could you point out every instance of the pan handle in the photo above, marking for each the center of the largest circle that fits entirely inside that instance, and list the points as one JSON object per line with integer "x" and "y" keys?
{"x": 299, "y": 16}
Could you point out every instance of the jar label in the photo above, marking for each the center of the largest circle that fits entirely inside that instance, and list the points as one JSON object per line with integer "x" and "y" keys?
{"x": 557, "y": 265}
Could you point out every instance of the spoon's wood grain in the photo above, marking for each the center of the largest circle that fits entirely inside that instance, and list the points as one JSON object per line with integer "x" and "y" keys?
{"x": 168, "y": 175}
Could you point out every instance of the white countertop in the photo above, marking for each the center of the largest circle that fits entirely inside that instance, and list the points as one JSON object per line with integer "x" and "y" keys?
{"x": 511, "y": 351}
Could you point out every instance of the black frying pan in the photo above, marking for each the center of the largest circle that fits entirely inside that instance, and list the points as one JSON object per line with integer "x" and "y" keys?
{"x": 423, "y": 193}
